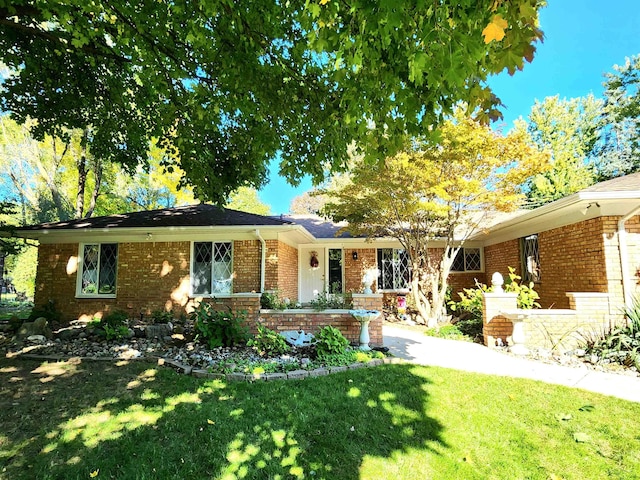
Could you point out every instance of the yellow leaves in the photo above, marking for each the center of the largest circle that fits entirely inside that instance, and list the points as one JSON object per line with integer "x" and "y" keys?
{"x": 94, "y": 474}
{"x": 210, "y": 422}
{"x": 495, "y": 29}
{"x": 324, "y": 2}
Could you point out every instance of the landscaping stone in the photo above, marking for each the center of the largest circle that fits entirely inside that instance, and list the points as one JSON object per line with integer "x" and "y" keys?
{"x": 297, "y": 374}
{"x": 275, "y": 376}
{"x": 159, "y": 330}
{"x": 338, "y": 369}
{"x": 237, "y": 377}
{"x": 355, "y": 366}
{"x": 319, "y": 372}
{"x": 39, "y": 326}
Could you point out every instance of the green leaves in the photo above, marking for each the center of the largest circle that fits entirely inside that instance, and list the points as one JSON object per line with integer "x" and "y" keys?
{"x": 225, "y": 87}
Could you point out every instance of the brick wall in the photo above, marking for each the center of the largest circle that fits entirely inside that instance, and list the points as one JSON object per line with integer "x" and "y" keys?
{"x": 288, "y": 271}
{"x": 501, "y": 256}
{"x": 354, "y": 269}
{"x": 246, "y": 266}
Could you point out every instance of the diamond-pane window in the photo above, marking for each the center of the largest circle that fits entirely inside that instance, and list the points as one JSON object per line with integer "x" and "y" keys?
{"x": 467, "y": 260}
{"x": 530, "y": 257}
{"x": 394, "y": 270}
{"x": 212, "y": 269}
{"x": 99, "y": 269}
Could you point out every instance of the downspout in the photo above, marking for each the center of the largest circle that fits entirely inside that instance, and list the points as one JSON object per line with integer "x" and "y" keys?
{"x": 624, "y": 257}
{"x": 263, "y": 259}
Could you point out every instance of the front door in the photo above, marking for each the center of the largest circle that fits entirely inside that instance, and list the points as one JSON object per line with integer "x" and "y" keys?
{"x": 312, "y": 273}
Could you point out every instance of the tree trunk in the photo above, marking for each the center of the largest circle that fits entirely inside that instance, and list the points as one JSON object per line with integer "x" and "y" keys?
{"x": 96, "y": 188}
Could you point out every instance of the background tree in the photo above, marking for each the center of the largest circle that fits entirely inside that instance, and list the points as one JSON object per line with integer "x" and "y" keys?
{"x": 438, "y": 191}
{"x": 246, "y": 199}
{"x": 224, "y": 85}
{"x": 569, "y": 131}
{"x": 621, "y": 135}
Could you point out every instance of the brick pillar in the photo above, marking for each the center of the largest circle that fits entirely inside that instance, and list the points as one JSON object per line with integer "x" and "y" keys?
{"x": 494, "y": 325}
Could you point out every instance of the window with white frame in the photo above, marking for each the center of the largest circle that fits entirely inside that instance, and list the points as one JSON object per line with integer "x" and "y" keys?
{"x": 211, "y": 268}
{"x": 98, "y": 272}
{"x": 467, "y": 260}
{"x": 394, "y": 272}
{"x": 530, "y": 258}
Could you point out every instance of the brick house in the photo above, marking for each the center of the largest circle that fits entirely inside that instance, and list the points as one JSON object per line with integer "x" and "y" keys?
{"x": 168, "y": 259}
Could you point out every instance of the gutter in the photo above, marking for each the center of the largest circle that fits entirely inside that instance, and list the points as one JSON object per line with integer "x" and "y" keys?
{"x": 624, "y": 257}
{"x": 263, "y": 259}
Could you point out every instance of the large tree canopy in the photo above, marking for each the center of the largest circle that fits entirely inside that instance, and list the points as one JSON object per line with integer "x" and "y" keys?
{"x": 225, "y": 85}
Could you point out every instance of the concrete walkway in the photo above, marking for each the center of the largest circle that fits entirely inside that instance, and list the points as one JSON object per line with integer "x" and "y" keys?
{"x": 421, "y": 349}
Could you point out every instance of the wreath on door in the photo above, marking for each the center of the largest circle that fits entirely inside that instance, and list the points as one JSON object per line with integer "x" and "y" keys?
{"x": 314, "y": 260}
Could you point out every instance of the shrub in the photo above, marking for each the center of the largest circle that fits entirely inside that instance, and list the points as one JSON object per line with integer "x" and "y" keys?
{"x": 115, "y": 333}
{"x": 115, "y": 319}
{"x": 330, "y": 341}
{"x": 162, "y": 316}
{"x": 268, "y": 342}
{"x": 219, "y": 328}
{"x": 471, "y": 298}
{"x": 48, "y": 311}
{"x": 618, "y": 344}
{"x": 271, "y": 301}
{"x": 325, "y": 300}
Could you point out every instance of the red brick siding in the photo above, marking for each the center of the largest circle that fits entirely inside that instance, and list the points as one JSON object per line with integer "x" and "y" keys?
{"x": 246, "y": 266}
{"x": 572, "y": 259}
{"x": 354, "y": 269}
{"x": 501, "y": 256}
{"x": 288, "y": 271}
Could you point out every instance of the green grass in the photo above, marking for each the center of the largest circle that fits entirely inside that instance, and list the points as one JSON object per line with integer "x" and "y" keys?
{"x": 138, "y": 421}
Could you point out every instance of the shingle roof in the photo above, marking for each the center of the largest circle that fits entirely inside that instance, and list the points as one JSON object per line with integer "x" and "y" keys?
{"x": 317, "y": 226}
{"x": 188, "y": 216}
{"x": 628, "y": 183}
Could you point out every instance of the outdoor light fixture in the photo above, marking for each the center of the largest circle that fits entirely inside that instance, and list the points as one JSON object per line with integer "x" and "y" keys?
{"x": 586, "y": 209}
{"x": 354, "y": 255}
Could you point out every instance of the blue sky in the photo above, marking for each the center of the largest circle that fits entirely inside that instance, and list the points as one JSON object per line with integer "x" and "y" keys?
{"x": 583, "y": 40}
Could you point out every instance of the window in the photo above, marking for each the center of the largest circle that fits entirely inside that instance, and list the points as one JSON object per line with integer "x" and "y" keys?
{"x": 99, "y": 263}
{"x": 335, "y": 270}
{"x": 211, "y": 268}
{"x": 394, "y": 271}
{"x": 467, "y": 260}
{"x": 530, "y": 258}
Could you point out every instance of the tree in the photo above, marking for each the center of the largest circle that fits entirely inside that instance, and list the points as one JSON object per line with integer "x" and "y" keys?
{"x": 225, "y": 85}
{"x": 569, "y": 130}
{"x": 246, "y": 199}
{"x": 437, "y": 191}
{"x": 621, "y": 135}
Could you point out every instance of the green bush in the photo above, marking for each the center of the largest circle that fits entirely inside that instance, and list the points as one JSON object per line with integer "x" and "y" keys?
{"x": 162, "y": 316}
{"x": 115, "y": 333}
{"x": 48, "y": 311}
{"x": 219, "y": 328}
{"x": 330, "y": 341}
{"x": 268, "y": 342}
{"x": 618, "y": 344}
{"x": 271, "y": 301}
{"x": 325, "y": 301}
{"x": 471, "y": 298}
{"x": 115, "y": 319}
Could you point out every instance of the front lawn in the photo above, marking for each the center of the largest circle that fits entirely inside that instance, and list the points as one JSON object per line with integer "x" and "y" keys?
{"x": 74, "y": 420}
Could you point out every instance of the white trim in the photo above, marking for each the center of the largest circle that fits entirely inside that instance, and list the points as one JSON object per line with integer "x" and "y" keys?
{"x": 191, "y": 261}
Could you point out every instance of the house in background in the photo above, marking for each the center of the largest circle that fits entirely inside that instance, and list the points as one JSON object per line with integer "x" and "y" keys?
{"x": 169, "y": 259}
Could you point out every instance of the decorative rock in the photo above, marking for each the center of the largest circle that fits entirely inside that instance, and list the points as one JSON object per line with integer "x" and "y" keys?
{"x": 297, "y": 374}
{"x": 160, "y": 330}
{"x": 39, "y": 326}
{"x": 275, "y": 376}
{"x": 40, "y": 339}
{"x": 319, "y": 372}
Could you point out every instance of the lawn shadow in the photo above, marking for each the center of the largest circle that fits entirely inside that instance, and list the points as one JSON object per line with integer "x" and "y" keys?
{"x": 137, "y": 421}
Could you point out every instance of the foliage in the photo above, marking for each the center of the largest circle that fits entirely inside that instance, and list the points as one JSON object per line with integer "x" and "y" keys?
{"x": 246, "y": 199}
{"x": 162, "y": 316}
{"x": 471, "y": 298}
{"x": 21, "y": 269}
{"x": 268, "y": 342}
{"x": 437, "y": 190}
{"x": 271, "y": 301}
{"x": 115, "y": 319}
{"x": 326, "y": 301}
{"x": 223, "y": 88}
{"x": 569, "y": 131}
{"x": 330, "y": 341}
{"x": 620, "y": 153}
{"x": 47, "y": 310}
{"x": 619, "y": 344}
{"x": 115, "y": 332}
{"x": 219, "y": 328}
{"x": 450, "y": 332}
